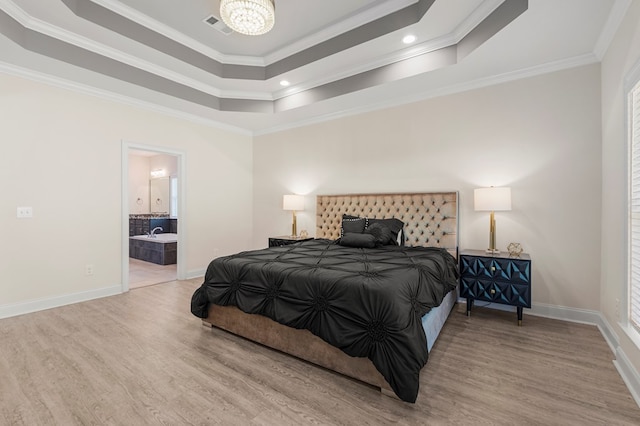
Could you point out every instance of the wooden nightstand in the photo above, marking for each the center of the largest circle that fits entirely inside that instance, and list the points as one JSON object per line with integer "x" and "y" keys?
{"x": 286, "y": 240}
{"x": 495, "y": 278}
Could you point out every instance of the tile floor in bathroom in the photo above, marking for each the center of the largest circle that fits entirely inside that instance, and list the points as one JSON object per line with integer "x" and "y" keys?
{"x": 142, "y": 274}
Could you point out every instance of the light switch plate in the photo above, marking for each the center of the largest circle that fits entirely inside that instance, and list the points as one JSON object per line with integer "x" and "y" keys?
{"x": 25, "y": 212}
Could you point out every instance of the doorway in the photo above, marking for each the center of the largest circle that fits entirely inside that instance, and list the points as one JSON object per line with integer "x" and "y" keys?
{"x": 152, "y": 214}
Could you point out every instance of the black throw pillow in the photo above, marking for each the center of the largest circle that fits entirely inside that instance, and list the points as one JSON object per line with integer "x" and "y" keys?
{"x": 353, "y": 224}
{"x": 395, "y": 225}
{"x": 352, "y": 239}
{"x": 381, "y": 233}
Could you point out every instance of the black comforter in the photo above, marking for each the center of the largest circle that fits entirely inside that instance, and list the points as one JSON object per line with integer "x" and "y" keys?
{"x": 367, "y": 302}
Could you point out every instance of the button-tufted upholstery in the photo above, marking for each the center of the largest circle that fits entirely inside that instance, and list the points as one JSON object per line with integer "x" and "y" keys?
{"x": 430, "y": 219}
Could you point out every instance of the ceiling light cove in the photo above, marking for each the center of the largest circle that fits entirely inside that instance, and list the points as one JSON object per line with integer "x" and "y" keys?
{"x": 249, "y": 17}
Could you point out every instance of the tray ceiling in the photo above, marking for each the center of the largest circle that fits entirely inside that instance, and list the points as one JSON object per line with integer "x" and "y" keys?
{"x": 339, "y": 57}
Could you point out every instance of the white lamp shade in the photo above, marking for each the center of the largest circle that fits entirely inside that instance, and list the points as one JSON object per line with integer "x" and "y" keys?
{"x": 492, "y": 199}
{"x": 293, "y": 202}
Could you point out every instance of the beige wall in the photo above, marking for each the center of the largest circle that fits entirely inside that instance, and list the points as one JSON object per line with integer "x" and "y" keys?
{"x": 622, "y": 55}
{"x": 62, "y": 155}
{"x": 540, "y": 135}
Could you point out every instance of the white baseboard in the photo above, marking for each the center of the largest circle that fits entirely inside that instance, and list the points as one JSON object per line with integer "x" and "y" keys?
{"x": 564, "y": 313}
{"x": 196, "y": 273}
{"x": 629, "y": 374}
{"x": 12, "y": 310}
{"x": 583, "y": 316}
{"x": 626, "y": 370}
{"x": 22, "y": 308}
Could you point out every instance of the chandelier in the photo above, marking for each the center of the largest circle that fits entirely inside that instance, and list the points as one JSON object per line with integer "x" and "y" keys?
{"x": 250, "y": 17}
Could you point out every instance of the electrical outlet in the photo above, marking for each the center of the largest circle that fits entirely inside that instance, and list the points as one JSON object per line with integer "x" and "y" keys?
{"x": 24, "y": 212}
{"x": 88, "y": 269}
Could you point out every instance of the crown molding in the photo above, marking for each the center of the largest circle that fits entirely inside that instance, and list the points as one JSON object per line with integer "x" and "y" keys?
{"x": 614, "y": 21}
{"x": 615, "y": 18}
{"x": 388, "y": 7}
{"x": 17, "y": 13}
{"x": 578, "y": 61}
{"x": 115, "y": 97}
{"x": 368, "y": 15}
{"x": 82, "y": 42}
{"x": 446, "y": 40}
{"x": 475, "y": 18}
{"x": 85, "y": 43}
{"x": 90, "y": 45}
{"x": 380, "y": 61}
{"x": 160, "y": 28}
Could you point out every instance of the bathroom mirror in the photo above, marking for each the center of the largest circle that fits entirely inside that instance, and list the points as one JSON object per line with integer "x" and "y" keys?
{"x": 160, "y": 195}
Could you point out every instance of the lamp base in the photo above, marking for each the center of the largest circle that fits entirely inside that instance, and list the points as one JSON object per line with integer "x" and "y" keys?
{"x": 492, "y": 235}
{"x": 294, "y": 225}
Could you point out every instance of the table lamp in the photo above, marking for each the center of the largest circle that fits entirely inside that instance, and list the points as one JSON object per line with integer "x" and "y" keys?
{"x": 294, "y": 203}
{"x": 492, "y": 199}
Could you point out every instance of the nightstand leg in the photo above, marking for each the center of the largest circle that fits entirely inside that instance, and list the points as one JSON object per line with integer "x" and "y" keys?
{"x": 469, "y": 306}
{"x": 519, "y": 315}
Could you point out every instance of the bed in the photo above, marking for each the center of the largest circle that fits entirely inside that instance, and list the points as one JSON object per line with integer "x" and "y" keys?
{"x": 369, "y": 312}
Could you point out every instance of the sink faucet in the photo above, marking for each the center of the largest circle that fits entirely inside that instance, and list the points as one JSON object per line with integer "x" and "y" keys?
{"x": 152, "y": 234}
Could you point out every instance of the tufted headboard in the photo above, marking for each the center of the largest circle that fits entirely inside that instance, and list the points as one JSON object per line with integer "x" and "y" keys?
{"x": 430, "y": 219}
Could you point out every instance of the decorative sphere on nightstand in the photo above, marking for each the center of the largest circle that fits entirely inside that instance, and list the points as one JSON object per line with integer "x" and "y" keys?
{"x": 514, "y": 249}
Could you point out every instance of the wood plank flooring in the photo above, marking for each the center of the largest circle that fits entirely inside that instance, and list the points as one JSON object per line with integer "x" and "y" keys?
{"x": 105, "y": 362}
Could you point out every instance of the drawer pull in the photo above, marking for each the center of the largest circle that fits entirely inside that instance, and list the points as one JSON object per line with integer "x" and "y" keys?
{"x": 493, "y": 291}
{"x": 493, "y": 269}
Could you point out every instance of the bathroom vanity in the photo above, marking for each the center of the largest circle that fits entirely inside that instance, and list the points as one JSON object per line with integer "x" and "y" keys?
{"x": 142, "y": 224}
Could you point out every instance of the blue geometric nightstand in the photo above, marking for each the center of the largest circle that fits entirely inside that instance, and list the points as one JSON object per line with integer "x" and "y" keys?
{"x": 496, "y": 279}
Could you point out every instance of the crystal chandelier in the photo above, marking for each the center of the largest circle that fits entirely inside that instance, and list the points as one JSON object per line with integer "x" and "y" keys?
{"x": 250, "y": 17}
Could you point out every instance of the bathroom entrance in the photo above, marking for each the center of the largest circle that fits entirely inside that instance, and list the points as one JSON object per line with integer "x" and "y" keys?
{"x": 151, "y": 239}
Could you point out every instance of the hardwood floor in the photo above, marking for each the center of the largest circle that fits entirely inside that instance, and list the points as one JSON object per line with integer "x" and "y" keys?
{"x": 142, "y": 274}
{"x": 106, "y": 362}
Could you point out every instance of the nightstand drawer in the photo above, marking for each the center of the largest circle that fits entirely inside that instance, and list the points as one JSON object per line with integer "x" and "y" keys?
{"x": 496, "y": 291}
{"x": 512, "y": 270}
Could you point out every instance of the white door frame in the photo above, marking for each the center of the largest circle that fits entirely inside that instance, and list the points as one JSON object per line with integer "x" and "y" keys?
{"x": 182, "y": 234}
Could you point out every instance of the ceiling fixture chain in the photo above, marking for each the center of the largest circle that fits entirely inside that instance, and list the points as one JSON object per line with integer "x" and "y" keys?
{"x": 249, "y": 17}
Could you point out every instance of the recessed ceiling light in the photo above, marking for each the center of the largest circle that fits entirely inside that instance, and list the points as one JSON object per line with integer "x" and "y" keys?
{"x": 284, "y": 83}
{"x": 408, "y": 39}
